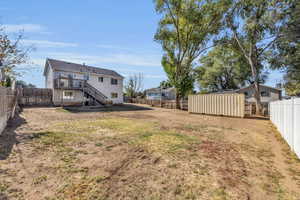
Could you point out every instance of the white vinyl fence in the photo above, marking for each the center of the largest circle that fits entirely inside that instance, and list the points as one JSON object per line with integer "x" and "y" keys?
{"x": 285, "y": 115}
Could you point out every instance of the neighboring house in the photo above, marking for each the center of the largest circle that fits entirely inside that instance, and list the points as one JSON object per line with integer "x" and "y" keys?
{"x": 267, "y": 93}
{"x": 161, "y": 94}
{"x": 76, "y": 84}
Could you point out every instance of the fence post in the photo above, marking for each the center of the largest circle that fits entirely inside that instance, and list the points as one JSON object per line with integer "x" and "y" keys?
{"x": 293, "y": 124}
{"x": 296, "y": 126}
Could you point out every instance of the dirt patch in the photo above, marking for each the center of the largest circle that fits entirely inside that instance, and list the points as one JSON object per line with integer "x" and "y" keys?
{"x": 149, "y": 153}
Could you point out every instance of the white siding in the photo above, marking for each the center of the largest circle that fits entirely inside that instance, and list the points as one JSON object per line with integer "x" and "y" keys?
{"x": 107, "y": 88}
{"x": 59, "y": 100}
{"x": 104, "y": 87}
{"x": 285, "y": 115}
{"x": 49, "y": 78}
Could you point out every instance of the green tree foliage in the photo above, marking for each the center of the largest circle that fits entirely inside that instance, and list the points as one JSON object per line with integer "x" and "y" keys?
{"x": 255, "y": 27}
{"x": 223, "y": 69}
{"x": 183, "y": 81}
{"x": 288, "y": 45}
{"x": 184, "y": 31}
{"x": 165, "y": 84}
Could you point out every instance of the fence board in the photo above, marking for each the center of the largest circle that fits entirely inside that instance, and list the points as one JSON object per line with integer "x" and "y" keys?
{"x": 35, "y": 97}
{"x": 285, "y": 115}
{"x": 7, "y": 104}
{"x": 170, "y": 104}
{"x": 218, "y": 104}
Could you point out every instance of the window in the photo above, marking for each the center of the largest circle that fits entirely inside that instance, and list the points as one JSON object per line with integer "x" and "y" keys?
{"x": 63, "y": 83}
{"x": 100, "y": 79}
{"x": 265, "y": 94}
{"x": 86, "y": 77}
{"x": 114, "y": 95}
{"x": 68, "y": 95}
{"x": 114, "y": 81}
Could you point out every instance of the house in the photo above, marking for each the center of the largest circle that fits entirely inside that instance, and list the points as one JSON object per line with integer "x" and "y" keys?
{"x": 78, "y": 84}
{"x": 267, "y": 93}
{"x": 161, "y": 94}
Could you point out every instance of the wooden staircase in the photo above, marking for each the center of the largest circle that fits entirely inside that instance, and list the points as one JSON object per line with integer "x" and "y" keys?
{"x": 95, "y": 94}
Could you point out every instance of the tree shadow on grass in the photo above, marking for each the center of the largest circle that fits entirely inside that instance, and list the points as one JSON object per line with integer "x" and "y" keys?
{"x": 9, "y": 137}
{"x": 114, "y": 108}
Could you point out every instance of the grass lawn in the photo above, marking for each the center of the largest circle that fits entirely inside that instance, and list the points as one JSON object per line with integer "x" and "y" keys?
{"x": 147, "y": 153}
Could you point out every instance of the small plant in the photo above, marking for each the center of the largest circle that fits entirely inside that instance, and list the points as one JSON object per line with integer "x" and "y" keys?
{"x": 219, "y": 194}
{"x": 99, "y": 144}
{"x": 40, "y": 180}
{"x": 3, "y": 186}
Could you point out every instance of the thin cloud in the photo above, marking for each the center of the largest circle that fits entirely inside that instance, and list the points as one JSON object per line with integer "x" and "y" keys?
{"x": 48, "y": 44}
{"x": 147, "y": 76}
{"x": 32, "y": 28}
{"x": 113, "y": 47}
{"x": 120, "y": 59}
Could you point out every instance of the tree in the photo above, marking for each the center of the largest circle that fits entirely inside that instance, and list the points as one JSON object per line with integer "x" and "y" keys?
{"x": 185, "y": 30}
{"x": 255, "y": 25}
{"x": 288, "y": 45}
{"x": 23, "y": 84}
{"x": 11, "y": 54}
{"x": 165, "y": 84}
{"x": 223, "y": 69}
{"x": 134, "y": 85}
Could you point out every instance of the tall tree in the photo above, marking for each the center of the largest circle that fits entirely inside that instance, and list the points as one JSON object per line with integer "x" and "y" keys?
{"x": 165, "y": 84}
{"x": 288, "y": 45}
{"x": 255, "y": 26}
{"x": 134, "y": 85}
{"x": 185, "y": 30}
{"x": 11, "y": 54}
{"x": 223, "y": 69}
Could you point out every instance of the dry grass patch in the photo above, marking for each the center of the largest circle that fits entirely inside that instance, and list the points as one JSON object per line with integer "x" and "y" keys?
{"x": 137, "y": 132}
{"x": 153, "y": 155}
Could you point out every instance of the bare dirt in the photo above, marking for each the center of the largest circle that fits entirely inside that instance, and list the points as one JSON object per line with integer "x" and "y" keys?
{"x": 140, "y": 152}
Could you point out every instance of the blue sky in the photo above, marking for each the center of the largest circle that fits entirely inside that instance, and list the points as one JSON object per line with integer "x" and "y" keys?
{"x": 113, "y": 34}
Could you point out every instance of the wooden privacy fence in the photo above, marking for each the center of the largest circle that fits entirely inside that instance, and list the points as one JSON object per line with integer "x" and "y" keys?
{"x": 170, "y": 104}
{"x": 35, "y": 97}
{"x": 218, "y": 104}
{"x": 285, "y": 115}
{"x": 250, "y": 109}
{"x": 8, "y": 103}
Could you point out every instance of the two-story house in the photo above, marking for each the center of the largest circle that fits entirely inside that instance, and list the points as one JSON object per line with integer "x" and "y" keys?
{"x": 161, "y": 94}
{"x": 267, "y": 93}
{"x": 78, "y": 84}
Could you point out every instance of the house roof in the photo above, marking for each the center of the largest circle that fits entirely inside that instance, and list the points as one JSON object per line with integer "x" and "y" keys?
{"x": 73, "y": 67}
{"x": 243, "y": 88}
{"x": 159, "y": 90}
{"x": 266, "y": 86}
{"x": 225, "y": 92}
